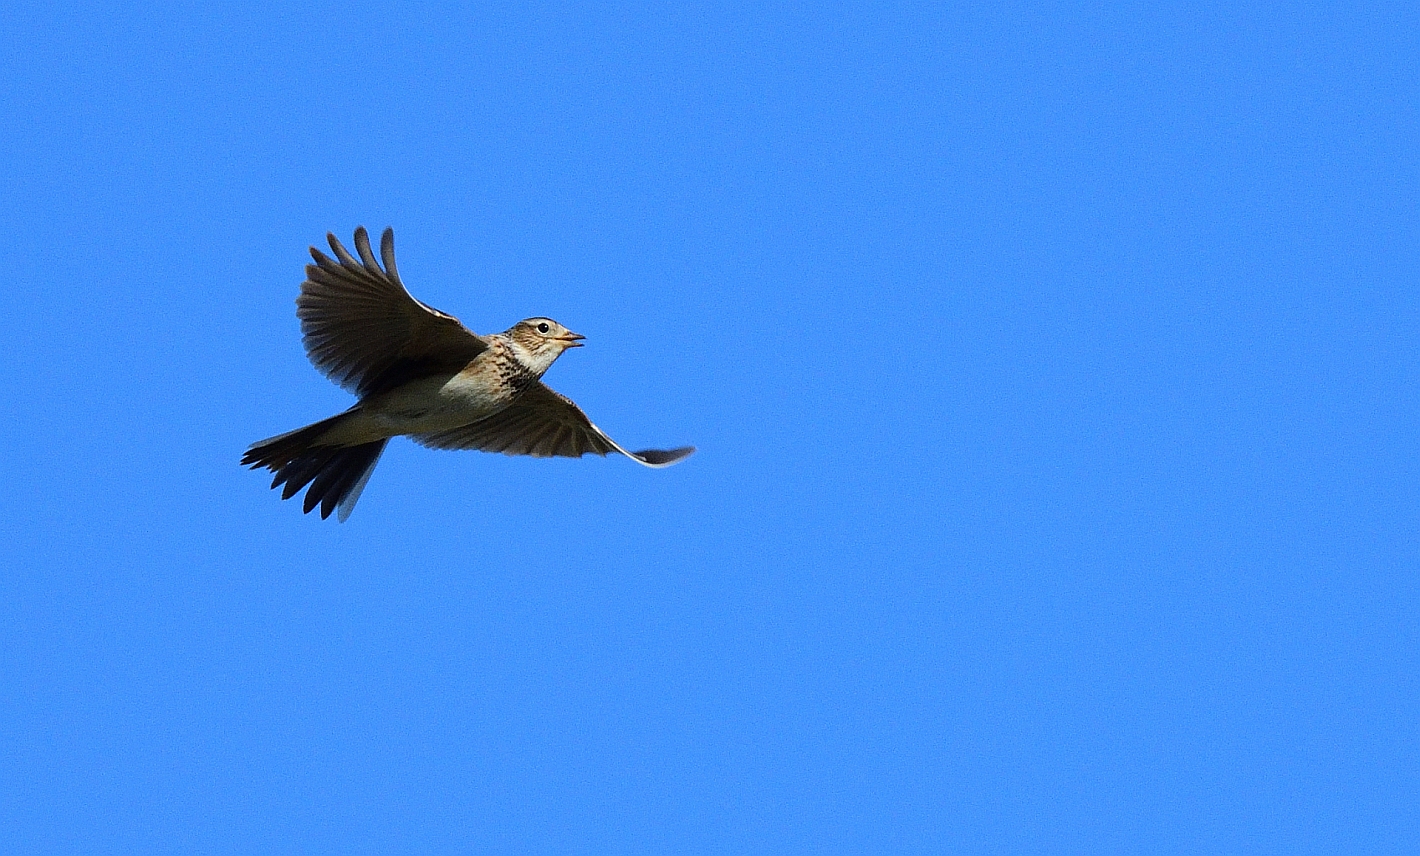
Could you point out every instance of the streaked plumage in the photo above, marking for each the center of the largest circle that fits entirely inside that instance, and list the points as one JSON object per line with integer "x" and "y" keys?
{"x": 420, "y": 372}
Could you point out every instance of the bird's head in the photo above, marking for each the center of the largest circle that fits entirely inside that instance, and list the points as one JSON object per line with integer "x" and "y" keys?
{"x": 542, "y": 341}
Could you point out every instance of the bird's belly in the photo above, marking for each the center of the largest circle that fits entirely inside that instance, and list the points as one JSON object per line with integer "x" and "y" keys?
{"x": 438, "y": 404}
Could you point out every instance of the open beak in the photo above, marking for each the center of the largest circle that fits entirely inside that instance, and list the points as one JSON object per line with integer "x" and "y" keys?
{"x": 572, "y": 340}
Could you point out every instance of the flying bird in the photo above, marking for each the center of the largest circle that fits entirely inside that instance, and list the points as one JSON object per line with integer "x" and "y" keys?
{"x": 418, "y": 371}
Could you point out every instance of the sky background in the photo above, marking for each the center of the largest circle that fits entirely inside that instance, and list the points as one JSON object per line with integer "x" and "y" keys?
{"x": 1053, "y": 369}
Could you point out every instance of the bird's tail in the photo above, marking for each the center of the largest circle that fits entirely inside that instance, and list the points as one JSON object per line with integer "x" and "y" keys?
{"x": 336, "y": 474}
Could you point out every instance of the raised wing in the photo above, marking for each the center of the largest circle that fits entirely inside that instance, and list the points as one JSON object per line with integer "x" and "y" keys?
{"x": 365, "y": 331}
{"x": 544, "y": 424}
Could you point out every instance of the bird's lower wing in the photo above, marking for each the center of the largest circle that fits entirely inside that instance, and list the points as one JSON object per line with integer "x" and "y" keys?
{"x": 543, "y": 424}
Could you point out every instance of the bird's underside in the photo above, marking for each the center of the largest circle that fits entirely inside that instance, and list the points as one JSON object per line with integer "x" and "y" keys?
{"x": 419, "y": 371}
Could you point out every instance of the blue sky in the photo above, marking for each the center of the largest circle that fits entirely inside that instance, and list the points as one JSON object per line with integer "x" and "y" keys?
{"x": 1053, "y": 369}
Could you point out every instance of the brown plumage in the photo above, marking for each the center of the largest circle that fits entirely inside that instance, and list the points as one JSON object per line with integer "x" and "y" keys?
{"x": 418, "y": 371}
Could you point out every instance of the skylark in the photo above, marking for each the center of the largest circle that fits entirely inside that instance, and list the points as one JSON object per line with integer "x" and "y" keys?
{"x": 418, "y": 371}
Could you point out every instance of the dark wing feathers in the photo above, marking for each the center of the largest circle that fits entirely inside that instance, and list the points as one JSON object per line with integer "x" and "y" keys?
{"x": 544, "y": 424}
{"x": 365, "y": 331}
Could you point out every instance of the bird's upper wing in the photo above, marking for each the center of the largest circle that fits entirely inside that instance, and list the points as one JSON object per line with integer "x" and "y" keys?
{"x": 365, "y": 331}
{"x": 544, "y": 424}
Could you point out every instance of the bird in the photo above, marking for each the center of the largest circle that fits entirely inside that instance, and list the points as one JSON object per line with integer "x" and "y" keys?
{"x": 419, "y": 372}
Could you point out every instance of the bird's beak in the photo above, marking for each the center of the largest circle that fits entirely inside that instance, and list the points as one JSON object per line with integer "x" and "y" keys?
{"x": 571, "y": 340}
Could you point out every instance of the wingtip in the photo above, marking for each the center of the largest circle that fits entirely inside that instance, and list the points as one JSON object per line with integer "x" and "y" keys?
{"x": 663, "y": 457}
{"x": 387, "y": 254}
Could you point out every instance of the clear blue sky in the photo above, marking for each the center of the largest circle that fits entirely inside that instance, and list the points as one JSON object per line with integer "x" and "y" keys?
{"x": 1053, "y": 368}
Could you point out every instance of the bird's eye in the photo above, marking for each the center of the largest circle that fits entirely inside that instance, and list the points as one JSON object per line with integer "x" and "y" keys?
{"x": 542, "y": 328}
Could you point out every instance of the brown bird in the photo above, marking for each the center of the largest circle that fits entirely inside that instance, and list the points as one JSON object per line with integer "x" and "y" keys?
{"x": 418, "y": 371}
